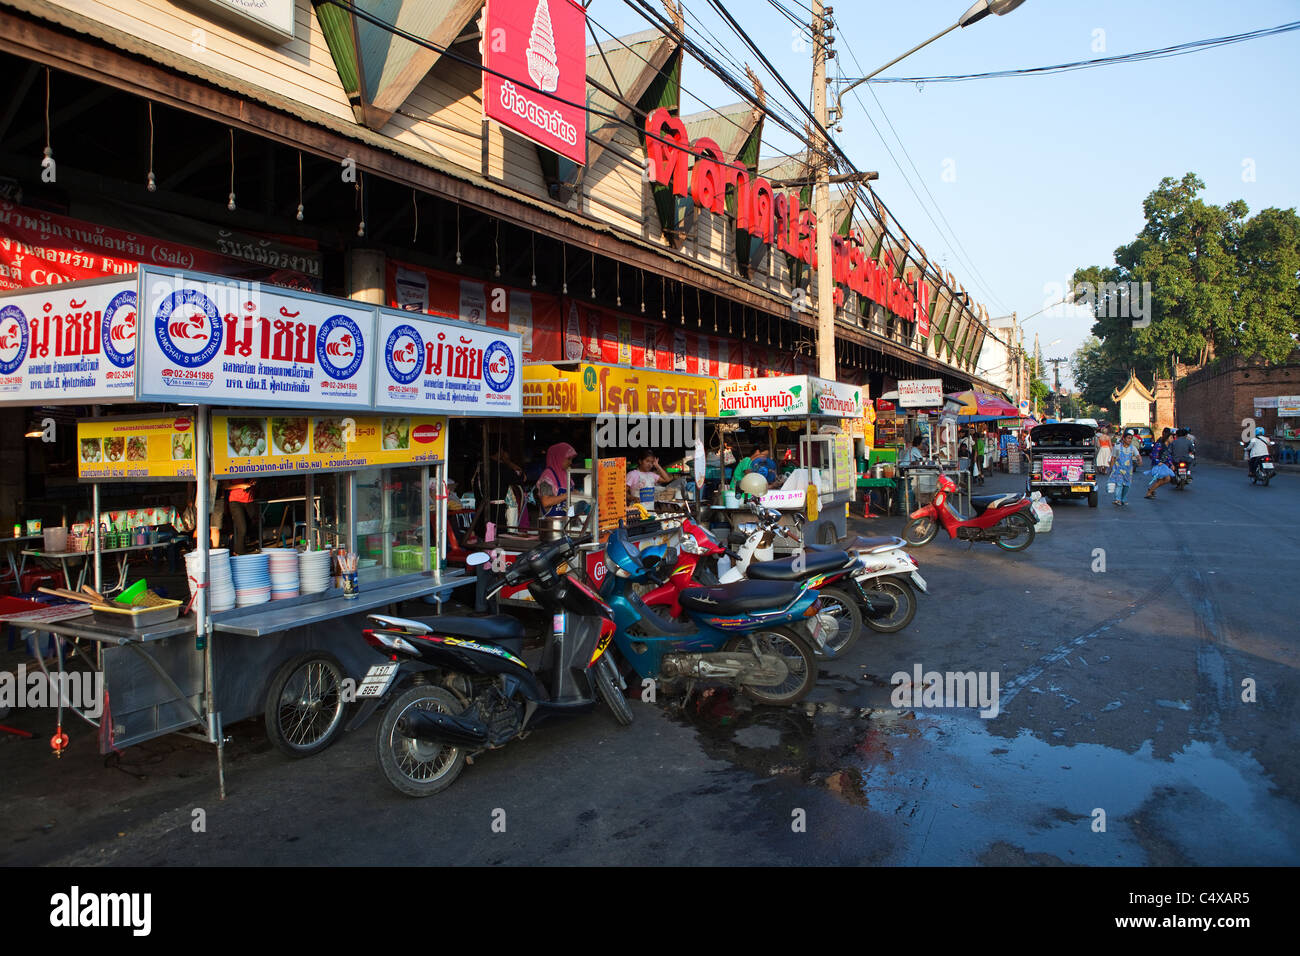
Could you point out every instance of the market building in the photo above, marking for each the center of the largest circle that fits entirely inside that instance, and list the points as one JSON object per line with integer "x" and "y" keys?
{"x": 319, "y": 147}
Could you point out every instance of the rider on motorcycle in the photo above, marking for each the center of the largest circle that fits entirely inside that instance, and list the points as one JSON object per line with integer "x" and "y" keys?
{"x": 1257, "y": 449}
{"x": 1182, "y": 448}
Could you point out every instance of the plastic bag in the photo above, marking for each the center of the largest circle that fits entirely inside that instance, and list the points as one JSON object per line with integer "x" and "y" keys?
{"x": 1042, "y": 513}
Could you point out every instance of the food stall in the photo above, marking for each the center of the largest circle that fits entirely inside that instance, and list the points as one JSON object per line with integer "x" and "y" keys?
{"x": 623, "y": 410}
{"x": 344, "y": 402}
{"x": 823, "y": 479}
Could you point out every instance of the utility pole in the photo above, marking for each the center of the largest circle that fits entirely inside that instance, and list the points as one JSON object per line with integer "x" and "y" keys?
{"x": 822, "y": 38}
{"x": 1056, "y": 389}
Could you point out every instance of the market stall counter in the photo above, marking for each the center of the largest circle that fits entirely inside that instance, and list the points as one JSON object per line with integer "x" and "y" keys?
{"x": 313, "y": 408}
{"x": 624, "y": 410}
{"x": 823, "y": 480}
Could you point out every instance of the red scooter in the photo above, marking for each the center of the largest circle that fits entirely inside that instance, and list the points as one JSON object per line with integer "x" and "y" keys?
{"x": 1006, "y": 520}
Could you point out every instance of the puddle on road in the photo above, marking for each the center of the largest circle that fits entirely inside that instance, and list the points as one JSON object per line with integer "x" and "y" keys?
{"x": 962, "y": 795}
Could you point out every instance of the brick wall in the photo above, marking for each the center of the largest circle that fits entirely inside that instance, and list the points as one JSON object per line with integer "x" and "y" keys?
{"x": 1165, "y": 414}
{"x": 1214, "y": 401}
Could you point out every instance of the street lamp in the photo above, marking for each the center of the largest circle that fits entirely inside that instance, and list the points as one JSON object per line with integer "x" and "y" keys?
{"x": 977, "y": 12}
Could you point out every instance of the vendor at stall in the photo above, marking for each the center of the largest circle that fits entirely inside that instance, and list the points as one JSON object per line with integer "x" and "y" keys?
{"x": 648, "y": 475}
{"x": 239, "y": 499}
{"x": 552, "y": 485}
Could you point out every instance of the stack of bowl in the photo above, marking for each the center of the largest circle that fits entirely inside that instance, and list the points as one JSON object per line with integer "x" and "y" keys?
{"x": 252, "y": 576}
{"x": 221, "y": 587}
{"x": 283, "y": 563}
{"x": 314, "y": 571}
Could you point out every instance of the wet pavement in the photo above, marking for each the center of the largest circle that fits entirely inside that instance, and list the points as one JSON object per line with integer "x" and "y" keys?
{"x": 1122, "y": 736}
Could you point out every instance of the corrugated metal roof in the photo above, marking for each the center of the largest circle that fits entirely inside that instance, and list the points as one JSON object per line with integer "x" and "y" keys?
{"x": 728, "y": 126}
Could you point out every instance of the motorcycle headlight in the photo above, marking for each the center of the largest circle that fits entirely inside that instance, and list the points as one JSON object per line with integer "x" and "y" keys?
{"x": 613, "y": 568}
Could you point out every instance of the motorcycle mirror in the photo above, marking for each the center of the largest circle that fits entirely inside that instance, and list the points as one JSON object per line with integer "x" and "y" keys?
{"x": 478, "y": 558}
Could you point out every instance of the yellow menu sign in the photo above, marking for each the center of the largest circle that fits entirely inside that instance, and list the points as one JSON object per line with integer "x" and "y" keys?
{"x": 261, "y": 444}
{"x": 611, "y": 492}
{"x": 135, "y": 448}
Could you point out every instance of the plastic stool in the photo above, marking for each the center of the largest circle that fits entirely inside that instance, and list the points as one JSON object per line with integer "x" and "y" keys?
{"x": 41, "y": 576}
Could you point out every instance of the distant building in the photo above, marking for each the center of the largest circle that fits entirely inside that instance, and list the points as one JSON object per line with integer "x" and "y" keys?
{"x": 1134, "y": 402}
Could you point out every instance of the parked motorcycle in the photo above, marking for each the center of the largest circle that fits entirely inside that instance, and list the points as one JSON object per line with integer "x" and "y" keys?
{"x": 1006, "y": 520}
{"x": 743, "y": 634}
{"x": 457, "y": 686}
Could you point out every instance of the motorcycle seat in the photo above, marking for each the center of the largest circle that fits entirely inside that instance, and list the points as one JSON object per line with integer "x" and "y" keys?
{"x": 741, "y": 597}
{"x": 500, "y": 629}
{"x": 860, "y": 543}
{"x": 981, "y": 503}
{"x": 799, "y": 567}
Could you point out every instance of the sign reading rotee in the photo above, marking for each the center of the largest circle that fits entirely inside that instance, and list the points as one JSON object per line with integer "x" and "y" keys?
{"x": 538, "y": 45}
{"x": 69, "y": 344}
{"x": 434, "y": 365}
{"x": 920, "y": 393}
{"x": 210, "y": 340}
{"x": 293, "y": 443}
{"x": 613, "y": 390}
{"x": 135, "y": 448}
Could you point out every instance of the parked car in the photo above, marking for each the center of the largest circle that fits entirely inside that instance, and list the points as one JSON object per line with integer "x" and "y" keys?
{"x": 1063, "y": 461}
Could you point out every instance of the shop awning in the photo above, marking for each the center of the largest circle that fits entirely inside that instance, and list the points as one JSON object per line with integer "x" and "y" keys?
{"x": 590, "y": 389}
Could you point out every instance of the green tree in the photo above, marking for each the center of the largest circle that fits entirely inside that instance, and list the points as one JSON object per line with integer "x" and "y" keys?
{"x": 1219, "y": 284}
{"x": 1097, "y": 372}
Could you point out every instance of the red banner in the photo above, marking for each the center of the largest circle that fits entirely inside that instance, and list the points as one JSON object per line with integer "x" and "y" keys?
{"x": 540, "y": 45}
{"x": 40, "y": 248}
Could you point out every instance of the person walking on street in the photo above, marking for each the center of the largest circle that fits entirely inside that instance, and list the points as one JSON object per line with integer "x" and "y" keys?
{"x": 1128, "y": 457}
{"x": 1162, "y": 464}
{"x": 1103, "y": 450}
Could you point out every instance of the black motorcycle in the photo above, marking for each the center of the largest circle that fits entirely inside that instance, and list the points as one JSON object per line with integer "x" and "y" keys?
{"x": 457, "y": 686}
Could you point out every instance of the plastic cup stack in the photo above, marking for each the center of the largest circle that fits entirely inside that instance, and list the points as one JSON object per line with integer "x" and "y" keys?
{"x": 221, "y": 587}
{"x": 283, "y": 564}
{"x": 252, "y": 576}
{"x": 314, "y": 571}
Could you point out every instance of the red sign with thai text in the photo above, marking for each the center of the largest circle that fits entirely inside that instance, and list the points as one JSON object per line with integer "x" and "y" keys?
{"x": 539, "y": 47}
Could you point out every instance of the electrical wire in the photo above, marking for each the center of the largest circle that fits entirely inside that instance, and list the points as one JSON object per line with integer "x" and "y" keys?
{"x": 952, "y": 233}
{"x": 1178, "y": 49}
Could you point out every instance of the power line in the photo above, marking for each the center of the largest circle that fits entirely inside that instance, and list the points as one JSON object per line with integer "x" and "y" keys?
{"x": 969, "y": 262}
{"x": 1178, "y": 49}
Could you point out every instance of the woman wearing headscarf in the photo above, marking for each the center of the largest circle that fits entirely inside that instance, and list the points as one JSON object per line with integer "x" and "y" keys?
{"x": 552, "y": 484}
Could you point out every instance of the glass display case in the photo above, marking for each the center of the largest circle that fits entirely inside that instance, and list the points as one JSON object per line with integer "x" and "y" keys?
{"x": 391, "y": 508}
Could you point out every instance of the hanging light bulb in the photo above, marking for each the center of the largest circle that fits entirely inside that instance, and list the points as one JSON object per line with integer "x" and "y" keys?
{"x": 299, "y": 216}
{"x": 152, "y": 186}
{"x": 361, "y": 228}
{"x": 230, "y": 203}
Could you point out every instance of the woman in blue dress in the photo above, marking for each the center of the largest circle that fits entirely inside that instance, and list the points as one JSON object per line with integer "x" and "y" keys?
{"x": 1127, "y": 459}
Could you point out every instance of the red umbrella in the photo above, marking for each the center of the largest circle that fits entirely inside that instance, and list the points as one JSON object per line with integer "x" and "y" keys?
{"x": 981, "y": 403}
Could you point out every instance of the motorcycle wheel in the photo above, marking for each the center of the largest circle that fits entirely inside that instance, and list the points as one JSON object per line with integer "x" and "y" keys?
{"x": 414, "y": 767}
{"x": 849, "y": 617}
{"x": 607, "y": 687}
{"x": 304, "y": 705}
{"x": 903, "y": 595}
{"x": 799, "y": 659}
{"x": 920, "y": 531}
{"x": 1022, "y": 540}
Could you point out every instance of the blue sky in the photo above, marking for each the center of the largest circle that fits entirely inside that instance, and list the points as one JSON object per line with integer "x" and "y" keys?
{"x": 1044, "y": 174}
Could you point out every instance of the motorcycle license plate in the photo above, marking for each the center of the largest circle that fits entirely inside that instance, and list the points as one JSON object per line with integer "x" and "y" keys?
{"x": 1267, "y": 466}
{"x": 919, "y": 581}
{"x": 1083, "y": 488}
{"x": 376, "y": 680}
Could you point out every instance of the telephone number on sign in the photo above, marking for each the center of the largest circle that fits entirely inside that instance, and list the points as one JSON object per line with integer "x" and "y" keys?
{"x": 189, "y": 373}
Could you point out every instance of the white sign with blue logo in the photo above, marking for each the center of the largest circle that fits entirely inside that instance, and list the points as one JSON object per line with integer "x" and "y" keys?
{"x": 442, "y": 367}
{"x": 71, "y": 344}
{"x": 211, "y": 340}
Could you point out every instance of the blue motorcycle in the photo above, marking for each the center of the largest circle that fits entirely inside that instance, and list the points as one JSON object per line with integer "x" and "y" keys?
{"x": 740, "y": 634}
